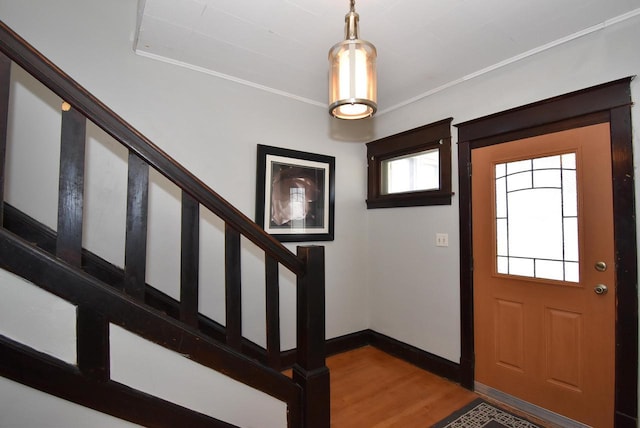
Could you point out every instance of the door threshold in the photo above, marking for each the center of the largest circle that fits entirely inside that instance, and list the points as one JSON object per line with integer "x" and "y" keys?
{"x": 532, "y": 409}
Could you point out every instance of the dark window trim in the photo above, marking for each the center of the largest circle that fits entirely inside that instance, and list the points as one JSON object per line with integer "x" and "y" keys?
{"x": 434, "y": 135}
{"x": 609, "y": 102}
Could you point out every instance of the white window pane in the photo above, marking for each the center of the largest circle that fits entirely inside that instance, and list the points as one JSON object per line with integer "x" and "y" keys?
{"x": 521, "y": 180}
{"x": 410, "y": 173}
{"x": 503, "y": 265}
{"x": 547, "y": 178}
{"x": 547, "y": 162}
{"x": 501, "y": 170}
{"x": 571, "y": 239}
{"x": 535, "y": 224}
{"x": 501, "y": 197}
{"x": 427, "y": 172}
{"x": 549, "y": 269}
{"x": 518, "y": 166}
{"x": 398, "y": 175}
{"x": 569, "y": 161}
{"x": 522, "y": 267}
{"x": 571, "y": 271}
{"x": 501, "y": 233}
{"x": 569, "y": 196}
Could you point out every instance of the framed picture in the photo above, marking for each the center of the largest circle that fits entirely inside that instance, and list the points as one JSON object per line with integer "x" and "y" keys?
{"x": 295, "y": 194}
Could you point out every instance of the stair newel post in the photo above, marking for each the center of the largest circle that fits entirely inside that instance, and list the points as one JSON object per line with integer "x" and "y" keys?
{"x": 189, "y": 260}
{"x": 135, "y": 253}
{"x": 5, "y": 84}
{"x": 310, "y": 371}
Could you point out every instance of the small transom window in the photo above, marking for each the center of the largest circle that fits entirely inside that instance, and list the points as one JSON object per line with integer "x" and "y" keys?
{"x": 411, "y": 168}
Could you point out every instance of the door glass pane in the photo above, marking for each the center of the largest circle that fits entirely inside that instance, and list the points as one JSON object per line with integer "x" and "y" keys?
{"x": 571, "y": 239}
{"x": 569, "y": 197}
{"x": 547, "y": 178}
{"x": 548, "y": 162}
{"x": 518, "y": 166}
{"x": 536, "y": 218}
{"x": 522, "y": 267}
{"x": 572, "y": 271}
{"x": 501, "y": 203}
{"x": 534, "y": 224}
{"x": 569, "y": 161}
{"x": 550, "y": 269}
{"x": 503, "y": 264}
{"x": 519, "y": 181}
{"x": 502, "y": 237}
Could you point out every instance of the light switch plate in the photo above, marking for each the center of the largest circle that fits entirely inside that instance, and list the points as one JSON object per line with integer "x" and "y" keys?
{"x": 442, "y": 239}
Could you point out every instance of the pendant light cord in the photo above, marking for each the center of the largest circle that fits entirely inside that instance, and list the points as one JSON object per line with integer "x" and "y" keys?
{"x": 353, "y": 5}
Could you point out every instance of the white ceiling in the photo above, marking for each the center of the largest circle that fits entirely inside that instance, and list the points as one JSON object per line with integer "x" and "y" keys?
{"x": 423, "y": 45}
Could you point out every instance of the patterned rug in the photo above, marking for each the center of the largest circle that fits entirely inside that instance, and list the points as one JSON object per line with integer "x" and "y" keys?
{"x": 480, "y": 414}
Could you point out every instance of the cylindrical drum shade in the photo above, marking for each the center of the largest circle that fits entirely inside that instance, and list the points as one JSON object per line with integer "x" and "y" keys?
{"x": 352, "y": 79}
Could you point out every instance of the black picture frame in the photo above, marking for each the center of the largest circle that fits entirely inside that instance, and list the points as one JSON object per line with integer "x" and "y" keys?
{"x": 295, "y": 194}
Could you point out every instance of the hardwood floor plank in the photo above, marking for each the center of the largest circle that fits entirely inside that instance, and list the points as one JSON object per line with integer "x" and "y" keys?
{"x": 370, "y": 388}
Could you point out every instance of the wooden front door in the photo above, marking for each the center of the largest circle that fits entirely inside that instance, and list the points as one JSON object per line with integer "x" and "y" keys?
{"x": 544, "y": 276}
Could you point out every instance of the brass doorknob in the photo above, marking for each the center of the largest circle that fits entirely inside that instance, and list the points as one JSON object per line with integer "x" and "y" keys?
{"x": 600, "y": 289}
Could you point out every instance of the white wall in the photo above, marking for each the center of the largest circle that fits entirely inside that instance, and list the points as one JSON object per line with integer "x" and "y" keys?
{"x": 24, "y": 407}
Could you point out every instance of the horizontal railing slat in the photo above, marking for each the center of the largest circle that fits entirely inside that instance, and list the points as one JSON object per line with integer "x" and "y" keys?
{"x": 69, "y": 90}
{"x": 41, "y": 371}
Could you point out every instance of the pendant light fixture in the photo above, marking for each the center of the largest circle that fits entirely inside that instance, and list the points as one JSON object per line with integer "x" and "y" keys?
{"x": 352, "y": 74}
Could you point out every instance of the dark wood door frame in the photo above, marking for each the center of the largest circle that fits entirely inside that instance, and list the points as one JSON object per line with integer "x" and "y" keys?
{"x": 609, "y": 102}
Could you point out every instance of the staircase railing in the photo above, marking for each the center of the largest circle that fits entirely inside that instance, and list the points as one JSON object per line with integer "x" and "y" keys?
{"x": 307, "y": 395}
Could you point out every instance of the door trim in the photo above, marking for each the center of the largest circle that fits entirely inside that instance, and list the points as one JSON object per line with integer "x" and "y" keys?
{"x": 609, "y": 102}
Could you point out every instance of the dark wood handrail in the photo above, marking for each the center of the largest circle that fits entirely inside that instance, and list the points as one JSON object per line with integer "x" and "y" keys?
{"x": 70, "y": 91}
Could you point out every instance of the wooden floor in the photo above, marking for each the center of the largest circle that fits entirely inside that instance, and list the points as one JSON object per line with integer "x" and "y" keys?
{"x": 370, "y": 388}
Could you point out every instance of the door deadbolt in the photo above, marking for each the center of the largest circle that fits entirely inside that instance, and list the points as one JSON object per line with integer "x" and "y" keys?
{"x": 600, "y": 289}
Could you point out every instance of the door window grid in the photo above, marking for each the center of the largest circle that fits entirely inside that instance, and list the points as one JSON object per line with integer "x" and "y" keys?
{"x": 536, "y": 218}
